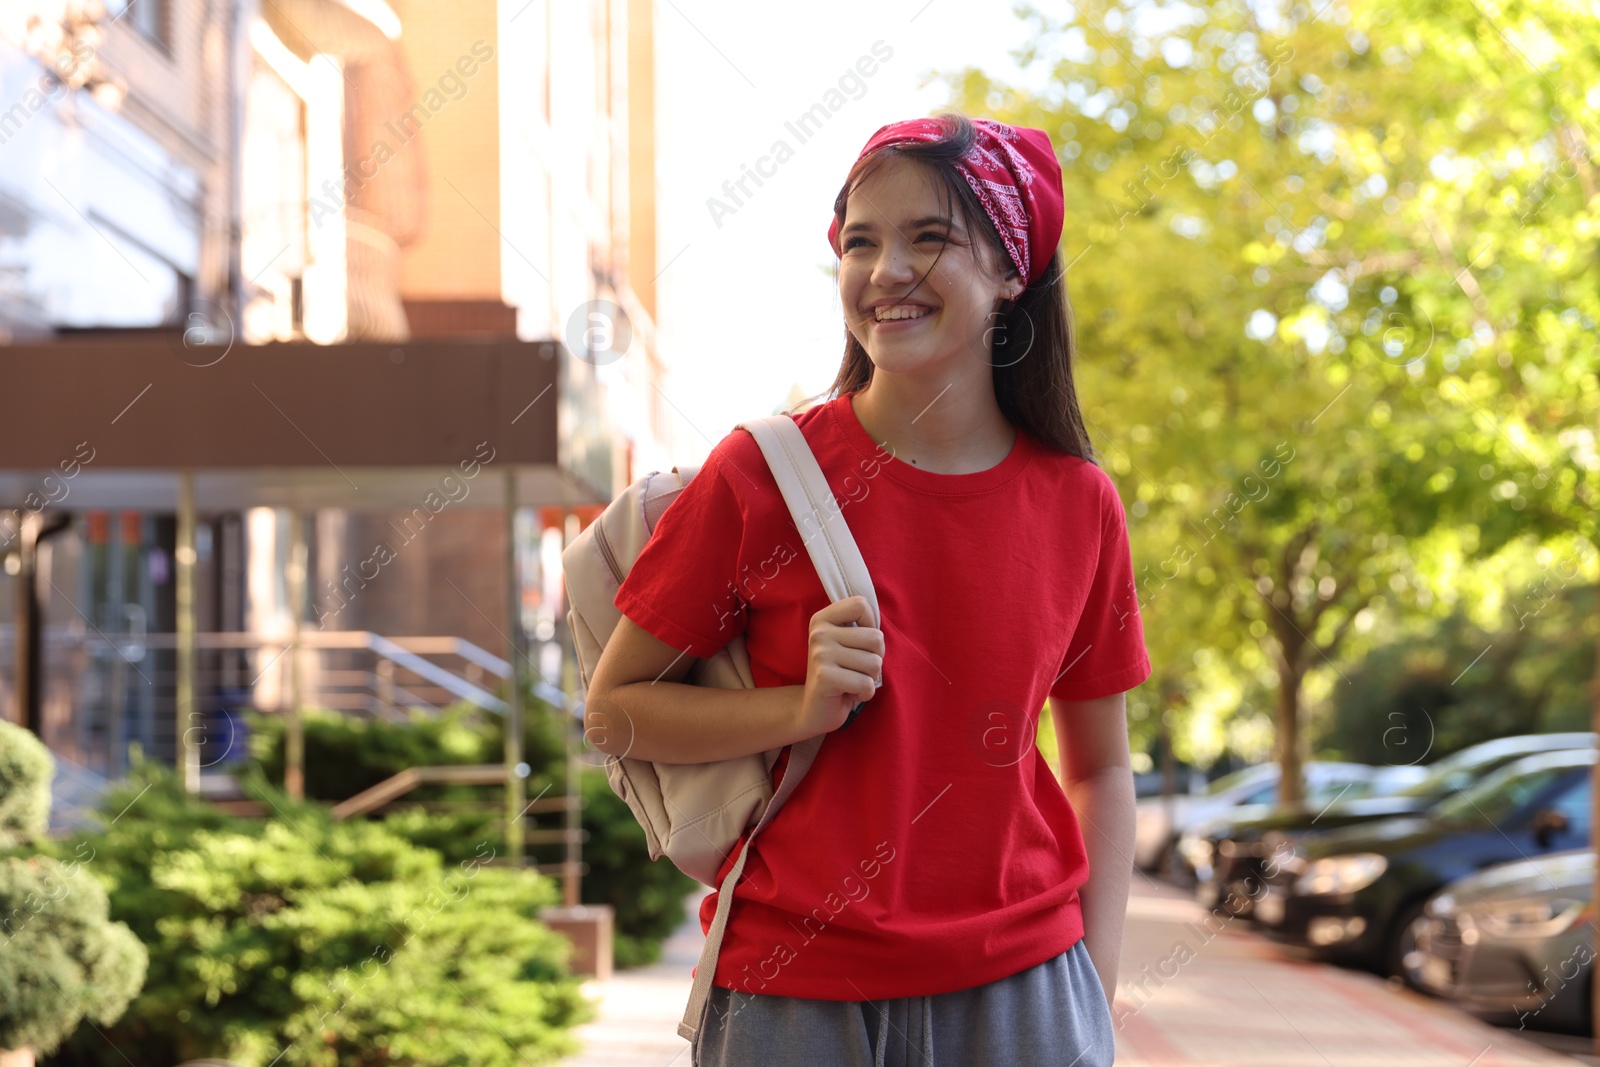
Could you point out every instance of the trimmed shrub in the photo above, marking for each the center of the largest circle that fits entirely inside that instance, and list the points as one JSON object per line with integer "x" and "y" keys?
{"x": 298, "y": 940}
{"x": 62, "y": 960}
{"x": 26, "y": 771}
{"x": 647, "y": 897}
{"x": 346, "y": 755}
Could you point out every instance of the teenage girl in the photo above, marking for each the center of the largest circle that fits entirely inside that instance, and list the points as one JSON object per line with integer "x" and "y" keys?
{"x": 927, "y": 895}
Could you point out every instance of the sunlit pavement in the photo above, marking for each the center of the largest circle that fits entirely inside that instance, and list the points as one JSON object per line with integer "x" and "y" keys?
{"x": 640, "y": 1009}
{"x": 1190, "y": 994}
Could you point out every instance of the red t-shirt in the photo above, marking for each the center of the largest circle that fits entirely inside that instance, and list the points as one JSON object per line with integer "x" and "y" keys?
{"x": 929, "y": 848}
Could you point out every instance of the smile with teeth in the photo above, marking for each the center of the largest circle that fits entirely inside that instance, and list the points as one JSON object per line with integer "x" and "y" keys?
{"x": 891, "y": 314}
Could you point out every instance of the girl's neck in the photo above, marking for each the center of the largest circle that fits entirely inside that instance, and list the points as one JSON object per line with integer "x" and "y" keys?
{"x": 948, "y": 428}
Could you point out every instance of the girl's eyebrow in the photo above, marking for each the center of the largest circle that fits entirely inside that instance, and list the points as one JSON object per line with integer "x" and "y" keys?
{"x": 930, "y": 220}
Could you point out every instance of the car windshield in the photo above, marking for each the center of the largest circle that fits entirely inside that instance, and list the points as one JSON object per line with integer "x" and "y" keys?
{"x": 1318, "y": 789}
{"x": 1342, "y": 789}
{"x": 1455, "y": 773}
{"x": 1452, "y": 775}
{"x": 1497, "y": 796}
{"x": 1228, "y": 781}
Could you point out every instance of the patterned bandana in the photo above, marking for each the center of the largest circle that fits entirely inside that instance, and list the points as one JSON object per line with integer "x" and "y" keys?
{"x": 1016, "y": 175}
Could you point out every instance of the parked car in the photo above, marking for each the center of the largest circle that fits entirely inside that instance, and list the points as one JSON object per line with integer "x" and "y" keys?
{"x": 1387, "y": 780}
{"x": 1515, "y": 943}
{"x": 1354, "y": 894}
{"x": 1149, "y": 783}
{"x": 1228, "y": 852}
{"x": 1158, "y": 826}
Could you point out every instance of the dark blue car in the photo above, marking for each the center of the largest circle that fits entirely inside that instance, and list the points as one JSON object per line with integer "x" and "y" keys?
{"x": 1229, "y": 853}
{"x": 1353, "y": 894}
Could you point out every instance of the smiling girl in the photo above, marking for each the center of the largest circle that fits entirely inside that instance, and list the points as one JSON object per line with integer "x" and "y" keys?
{"x": 927, "y": 894}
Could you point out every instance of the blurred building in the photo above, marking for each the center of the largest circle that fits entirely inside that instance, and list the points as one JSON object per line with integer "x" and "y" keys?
{"x": 206, "y": 173}
{"x": 114, "y": 164}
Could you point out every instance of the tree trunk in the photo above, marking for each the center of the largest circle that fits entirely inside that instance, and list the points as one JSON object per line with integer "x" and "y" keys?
{"x": 1292, "y": 643}
{"x": 1171, "y": 693}
{"x": 1290, "y": 793}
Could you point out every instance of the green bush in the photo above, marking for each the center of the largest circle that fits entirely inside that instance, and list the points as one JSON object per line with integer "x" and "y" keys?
{"x": 648, "y": 896}
{"x": 26, "y": 770}
{"x": 298, "y": 940}
{"x": 62, "y": 961}
{"x": 345, "y": 755}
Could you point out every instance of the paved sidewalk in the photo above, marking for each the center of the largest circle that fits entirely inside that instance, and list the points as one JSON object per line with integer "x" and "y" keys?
{"x": 640, "y": 1009}
{"x": 1197, "y": 994}
{"x": 1225, "y": 998}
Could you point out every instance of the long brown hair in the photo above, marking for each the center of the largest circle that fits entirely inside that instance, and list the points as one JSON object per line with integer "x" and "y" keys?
{"x": 1034, "y": 389}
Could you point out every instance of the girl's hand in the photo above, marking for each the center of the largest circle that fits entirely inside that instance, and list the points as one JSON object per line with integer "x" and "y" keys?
{"x": 844, "y": 664}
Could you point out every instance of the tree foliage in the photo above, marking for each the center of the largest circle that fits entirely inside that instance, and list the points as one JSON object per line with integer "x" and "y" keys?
{"x": 1331, "y": 267}
{"x": 1412, "y": 701}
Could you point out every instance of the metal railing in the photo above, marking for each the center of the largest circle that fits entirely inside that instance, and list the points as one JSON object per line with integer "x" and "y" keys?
{"x": 107, "y": 691}
{"x": 386, "y": 793}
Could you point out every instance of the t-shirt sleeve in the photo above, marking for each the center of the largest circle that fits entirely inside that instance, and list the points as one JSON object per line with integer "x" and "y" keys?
{"x": 1107, "y": 653}
{"x": 682, "y": 588}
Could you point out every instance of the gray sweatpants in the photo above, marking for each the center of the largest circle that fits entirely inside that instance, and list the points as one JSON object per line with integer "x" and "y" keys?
{"x": 1055, "y": 1013}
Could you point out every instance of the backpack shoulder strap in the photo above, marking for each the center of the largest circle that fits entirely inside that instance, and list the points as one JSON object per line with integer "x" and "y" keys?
{"x": 844, "y": 574}
{"x": 801, "y": 756}
{"x": 816, "y": 513}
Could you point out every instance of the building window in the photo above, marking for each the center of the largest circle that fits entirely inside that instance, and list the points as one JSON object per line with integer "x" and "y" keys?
{"x": 149, "y": 17}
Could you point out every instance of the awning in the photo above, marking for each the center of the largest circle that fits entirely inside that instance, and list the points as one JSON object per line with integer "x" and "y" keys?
{"x": 110, "y": 423}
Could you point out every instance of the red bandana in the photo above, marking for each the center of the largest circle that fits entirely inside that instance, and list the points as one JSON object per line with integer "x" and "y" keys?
{"x": 1016, "y": 175}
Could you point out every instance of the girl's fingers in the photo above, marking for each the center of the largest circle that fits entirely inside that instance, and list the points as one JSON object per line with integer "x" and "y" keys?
{"x": 864, "y": 638}
{"x": 842, "y": 634}
{"x": 852, "y": 609}
{"x": 850, "y": 683}
{"x": 869, "y": 664}
{"x": 849, "y": 622}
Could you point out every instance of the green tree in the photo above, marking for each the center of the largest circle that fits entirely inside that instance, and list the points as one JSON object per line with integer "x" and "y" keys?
{"x": 1411, "y": 700}
{"x": 1277, "y": 230}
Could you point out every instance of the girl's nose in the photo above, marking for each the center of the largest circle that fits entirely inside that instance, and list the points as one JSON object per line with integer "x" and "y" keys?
{"x": 895, "y": 264}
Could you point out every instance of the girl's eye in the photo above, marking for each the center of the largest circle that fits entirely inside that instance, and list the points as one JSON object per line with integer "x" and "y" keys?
{"x": 851, "y": 242}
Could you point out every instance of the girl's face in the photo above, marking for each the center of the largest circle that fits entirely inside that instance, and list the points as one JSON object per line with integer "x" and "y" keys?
{"x": 894, "y": 228}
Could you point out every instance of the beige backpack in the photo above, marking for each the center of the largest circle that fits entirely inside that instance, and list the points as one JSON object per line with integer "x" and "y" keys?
{"x": 694, "y": 813}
